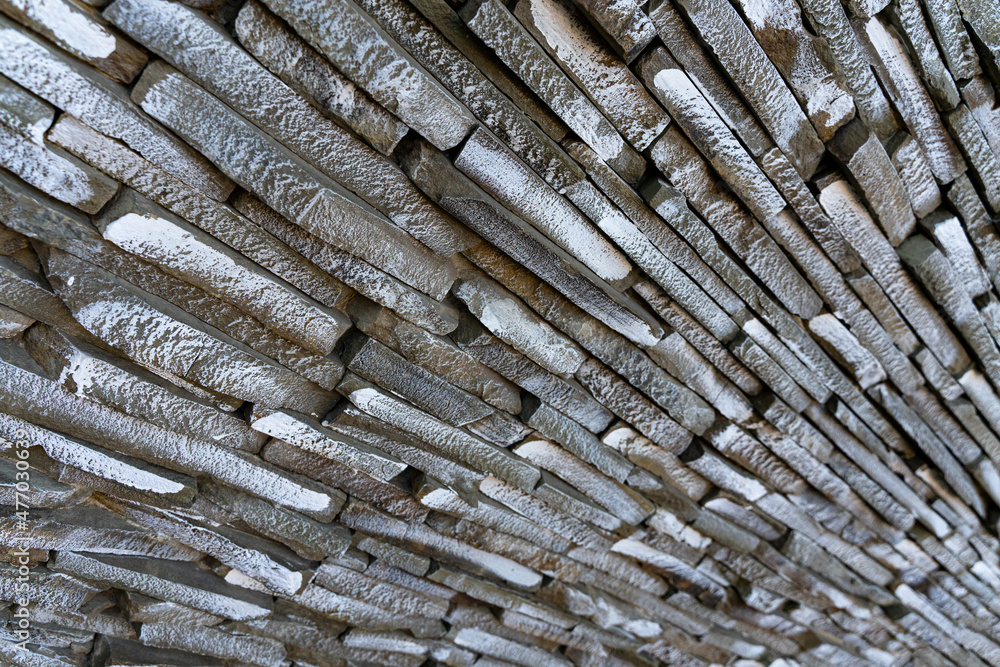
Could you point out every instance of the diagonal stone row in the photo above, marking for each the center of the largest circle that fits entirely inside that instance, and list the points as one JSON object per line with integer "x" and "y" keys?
{"x": 484, "y": 333}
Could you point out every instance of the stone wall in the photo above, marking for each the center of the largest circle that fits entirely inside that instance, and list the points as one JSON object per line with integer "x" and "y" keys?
{"x": 541, "y": 332}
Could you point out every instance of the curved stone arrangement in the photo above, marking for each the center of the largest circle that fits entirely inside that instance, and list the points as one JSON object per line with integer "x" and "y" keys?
{"x": 594, "y": 333}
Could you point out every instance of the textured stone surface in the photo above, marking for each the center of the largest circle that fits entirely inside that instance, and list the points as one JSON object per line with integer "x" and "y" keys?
{"x": 599, "y": 333}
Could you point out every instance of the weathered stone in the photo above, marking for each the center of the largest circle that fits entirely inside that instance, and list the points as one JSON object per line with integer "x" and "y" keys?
{"x": 514, "y": 323}
{"x": 435, "y": 354}
{"x": 898, "y": 74}
{"x": 215, "y": 643}
{"x": 149, "y": 480}
{"x": 872, "y": 173}
{"x": 878, "y": 256}
{"x": 309, "y": 74}
{"x": 309, "y": 435}
{"x": 456, "y": 194}
{"x": 93, "y": 373}
{"x": 796, "y": 53}
{"x": 486, "y": 161}
{"x": 81, "y": 32}
{"x": 984, "y": 162}
{"x": 758, "y": 80}
{"x": 494, "y": 110}
{"x": 937, "y": 275}
{"x": 405, "y": 446}
{"x": 707, "y": 131}
{"x": 692, "y": 414}
{"x": 288, "y": 185}
{"x": 624, "y": 503}
{"x": 908, "y": 19}
{"x": 863, "y": 365}
{"x": 23, "y": 112}
{"x": 564, "y": 394}
{"x": 310, "y": 538}
{"x": 454, "y": 29}
{"x": 679, "y": 161}
{"x": 453, "y": 442}
{"x": 170, "y": 580}
{"x": 218, "y": 220}
{"x": 830, "y": 21}
{"x": 489, "y": 514}
{"x": 201, "y": 50}
{"x": 142, "y": 228}
{"x": 583, "y": 54}
{"x": 103, "y": 105}
{"x": 702, "y": 70}
{"x": 915, "y": 173}
{"x": 127, "y": 318}
{"x": 54, "y": 172}
{"x": 498, "y": 28}
{"x": 951, "y": 238}
{"x": 391, "y": 77}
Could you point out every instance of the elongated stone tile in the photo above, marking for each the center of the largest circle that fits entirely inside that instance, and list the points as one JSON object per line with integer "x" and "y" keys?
{"x": 312, "y": 437}
{"x": 297, "y": 64}
{"x": 23, "y": 112}
{"x": 453, "y": 442}
{"x": 81, "y": 32}
{"x": 525, "y": 245}
{"x": 870, "y": 168}
{"x": 91, "y": 372}
{"x": 470, "y": 86}
{"x": 514, "y": 323}
{"x": 104, "y": 105}
{"x": 144, "y": 229}
{"x": 908, "y": 18}
{"x": 57, "y": 174}
{"x": 830, "y": 21}
{"x": 707, "y": 131}
{"x": 900, "y": 77}
{"x": 982, "y": 159}
{"x": 779, "y": 29}
{"x": 915, "y": 174}
{"x": 213, "y": 59}
{"x": 498, "y": 28}
{"x": 617, "y": 499}
{"x": 705, "y": 74}
{"x": 564, "y": 394}
{"x": 486, "y": 161}
{"x": 950, "y": 236}
{"x": 119, "y": 313}
{"x": 441, "y": 14}
{"x": 388, "y": 496}
{"x": 183, "y": 583}
{"x": 406, "y": 446}
{"x": 436, "y": 354}
{"x": 877, "y": 254}
{"x": 567, "y": 36}
{"x": 392, "y": 77}
{"x": 149, "y": 480}
{"x": 286, "y": 182}
{"x": 677, "y": 158}
{"x": 758, "y": 80}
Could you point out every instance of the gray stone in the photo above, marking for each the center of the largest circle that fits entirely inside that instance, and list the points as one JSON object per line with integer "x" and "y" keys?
{"x": 498, "y": 28}
{"x": 81, "y": 32}
{"x": 284, "y": 53}
{"x": 201, "y": 50}
{"x": 286, "y": 183}
{"x": 759, "y": 81}
{"x": 578, "y": 48}
{"x": 104, "y": 105}
{"x": 362, "y": 50}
